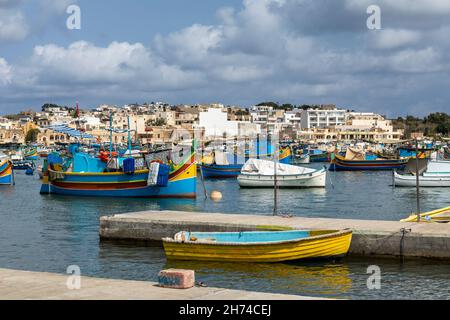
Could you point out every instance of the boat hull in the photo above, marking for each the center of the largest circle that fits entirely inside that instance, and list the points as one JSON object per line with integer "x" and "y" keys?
{"x": 5, "y": 172}
{"x": 333, "y": 244}
{"x": 221, "y": 171}
{"x": 340, "y": 164}
{"x": 324, "y": 157}
{"x": 182, "y": 184}
{"x": 315, "y": 179}
{"x": 424, "y": 181}
{"x": 285, "y": 156}
{"x": 304, "y": 159}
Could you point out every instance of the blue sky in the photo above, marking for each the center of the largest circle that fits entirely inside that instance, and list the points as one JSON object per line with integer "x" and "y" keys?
{"x": 235, "y": 52}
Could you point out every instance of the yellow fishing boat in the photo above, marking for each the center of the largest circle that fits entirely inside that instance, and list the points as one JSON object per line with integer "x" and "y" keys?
{"x": 256, "y": 246}
{"x": 439, "y": 215}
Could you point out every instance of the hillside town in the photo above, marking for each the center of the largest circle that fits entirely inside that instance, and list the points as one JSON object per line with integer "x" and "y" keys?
{"x": 160, "y": 123}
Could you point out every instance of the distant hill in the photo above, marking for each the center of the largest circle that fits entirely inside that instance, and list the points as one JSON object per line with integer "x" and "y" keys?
{"x": 434, "y": 124}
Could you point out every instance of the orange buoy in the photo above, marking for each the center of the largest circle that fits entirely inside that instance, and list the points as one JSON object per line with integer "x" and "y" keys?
{"x": 216, "y": 195}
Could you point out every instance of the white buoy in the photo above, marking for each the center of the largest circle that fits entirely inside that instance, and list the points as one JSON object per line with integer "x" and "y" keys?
{"x": 216, "y": 195}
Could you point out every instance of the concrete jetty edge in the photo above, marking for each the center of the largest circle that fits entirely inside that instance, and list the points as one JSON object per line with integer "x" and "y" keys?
{"x": 27, "y": 285}
{"x": 370, "y": 237}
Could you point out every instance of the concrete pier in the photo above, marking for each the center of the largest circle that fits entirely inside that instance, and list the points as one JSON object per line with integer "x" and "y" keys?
{"x": 370, "y": 237}
{"x": 25, "y": 285}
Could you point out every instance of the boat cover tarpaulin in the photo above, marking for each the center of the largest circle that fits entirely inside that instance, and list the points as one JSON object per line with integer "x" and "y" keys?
{"x": 411, "y": 165}
{"x": 221, "y": 158}
{"x": 70, "y": 131}
{"x": 265, "y": 167}
{"x": 355, "y": 154}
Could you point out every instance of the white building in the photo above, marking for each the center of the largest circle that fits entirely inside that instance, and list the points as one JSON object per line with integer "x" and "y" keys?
{"x": 368, "y": 120}
{"x": 322, "y": 118}
{"x": 260, "y": 114}
{"x": 293, "y": 117}
{"x": 5, "y": 124}
{"x": 216, "y": 124}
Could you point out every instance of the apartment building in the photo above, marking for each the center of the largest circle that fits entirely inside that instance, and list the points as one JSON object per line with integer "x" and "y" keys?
{"x": 322, "y": 117}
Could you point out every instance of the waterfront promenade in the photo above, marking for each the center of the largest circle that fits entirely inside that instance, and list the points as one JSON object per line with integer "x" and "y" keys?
{"x": 370, "y": 237}
{"x": 15, "y": 284}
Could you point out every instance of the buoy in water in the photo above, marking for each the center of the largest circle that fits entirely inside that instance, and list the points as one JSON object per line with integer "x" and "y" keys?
{"x": 216, "y": 195}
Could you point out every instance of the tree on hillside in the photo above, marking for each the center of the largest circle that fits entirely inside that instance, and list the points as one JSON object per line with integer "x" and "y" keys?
{"x": 32, "y": 135}
{"x": 269, "y": 104}
{"x": 438, "y": 118}
{"x": 287, "y": 106}
{"x": 443, "y": 128}
{"x": 157, "y": 122}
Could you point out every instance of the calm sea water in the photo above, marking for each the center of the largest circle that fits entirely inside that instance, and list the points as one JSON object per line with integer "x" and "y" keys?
{"x": 49, "y": 233}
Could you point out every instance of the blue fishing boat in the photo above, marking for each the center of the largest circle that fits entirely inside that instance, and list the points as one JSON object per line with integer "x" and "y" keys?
{"x": 114, "y": 176}
{"x": 221, "y": 165}
{"x": 84, "y": 175}
{"x": 29, "y": 171}
{"x": 318, "y": 156}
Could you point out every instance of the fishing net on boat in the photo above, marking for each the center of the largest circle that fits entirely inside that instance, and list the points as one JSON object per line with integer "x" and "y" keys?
{"x": 163, "y": 156}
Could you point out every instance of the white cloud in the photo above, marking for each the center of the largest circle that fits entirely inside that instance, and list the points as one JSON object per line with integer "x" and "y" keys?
{"x": 119, "y": 64}
{"x": 395, "y": 38}
{"x": 435, "y": 7}
{"x": 13, "y": 26}
{"x": 190, "y": 45}
{"x": 269, "y": 49}
{"x": 5, "y": 72}
{"x": 417, "y": 61}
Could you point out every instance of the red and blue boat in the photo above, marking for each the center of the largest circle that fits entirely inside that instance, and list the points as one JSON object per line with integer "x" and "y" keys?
{"x": 130, "y": 175}
{"x": 90, "y": 176}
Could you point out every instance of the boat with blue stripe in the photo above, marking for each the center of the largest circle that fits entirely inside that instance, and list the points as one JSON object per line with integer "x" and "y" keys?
{"x": 6, "y": 171}
{"x": 222, "y": 165}
{"x": 132, "y": 175}
{"x": 257, "y": 246}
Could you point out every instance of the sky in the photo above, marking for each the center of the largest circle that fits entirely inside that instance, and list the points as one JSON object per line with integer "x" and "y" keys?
{"x": 235, "y": 52}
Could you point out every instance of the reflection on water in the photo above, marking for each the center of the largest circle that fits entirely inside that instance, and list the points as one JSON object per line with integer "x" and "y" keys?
{"x": 49, "y": 233}
{"x": 316, "y": 279}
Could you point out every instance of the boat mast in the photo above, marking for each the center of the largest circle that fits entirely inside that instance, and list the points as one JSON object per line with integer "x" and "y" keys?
{"x": 110, "y": 135}
{"x": 275, "y": 182}
{"x": 129, "y": 136}
{"x": 417, "y": 181}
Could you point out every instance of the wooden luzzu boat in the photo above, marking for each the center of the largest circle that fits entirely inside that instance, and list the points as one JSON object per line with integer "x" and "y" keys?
{"x": 358, "y": 160}
{"x": 90, "y": 176}
{"x": 267, "y": 246}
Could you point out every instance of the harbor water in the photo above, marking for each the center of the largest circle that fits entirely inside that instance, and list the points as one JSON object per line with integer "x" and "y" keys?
{"x": 50, "y": 232}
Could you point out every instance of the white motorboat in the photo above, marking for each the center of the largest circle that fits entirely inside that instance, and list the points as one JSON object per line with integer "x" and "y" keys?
{"x": 301, "y": 159}
{"x": 437, "y": 174}
{"x": 260, "y": 174}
